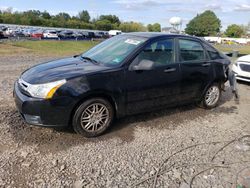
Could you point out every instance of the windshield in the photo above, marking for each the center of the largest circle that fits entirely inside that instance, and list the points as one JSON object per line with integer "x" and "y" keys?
{"x": 113, "y": 51}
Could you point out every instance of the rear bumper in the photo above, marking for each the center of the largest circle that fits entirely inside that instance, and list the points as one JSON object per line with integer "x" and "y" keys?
{"x": 41, "y": 112}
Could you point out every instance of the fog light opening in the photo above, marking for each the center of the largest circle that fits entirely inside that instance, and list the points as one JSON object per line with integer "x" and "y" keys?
{"x": 31, "y": 119}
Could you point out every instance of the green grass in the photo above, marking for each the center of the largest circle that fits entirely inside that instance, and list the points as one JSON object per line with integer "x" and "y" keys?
{"x": 55, "y": 48}
{"x": 229, "y": 48}
{"x": 66, "y": 48}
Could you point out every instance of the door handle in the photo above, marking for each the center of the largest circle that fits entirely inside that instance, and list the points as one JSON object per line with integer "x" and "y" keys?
{"x": 170, "y": 70}
{"x": 206, "y": 64}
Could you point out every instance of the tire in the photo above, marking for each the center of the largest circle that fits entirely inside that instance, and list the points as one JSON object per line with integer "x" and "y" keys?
{"x": 211, "y": 97}
{"x": 93, "y": 117}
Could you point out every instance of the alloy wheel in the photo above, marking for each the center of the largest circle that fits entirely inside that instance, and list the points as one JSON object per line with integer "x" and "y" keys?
{"x": 94, "y": 117}
{"x": 212, "y": 96}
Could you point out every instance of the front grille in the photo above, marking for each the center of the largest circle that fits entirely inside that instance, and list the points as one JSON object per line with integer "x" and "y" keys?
{"x": 244, "y": 77}
{"x": 245, "y": 67}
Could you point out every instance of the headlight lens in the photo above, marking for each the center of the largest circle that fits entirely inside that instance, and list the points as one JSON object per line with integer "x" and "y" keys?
{"x": 44, "y": 91}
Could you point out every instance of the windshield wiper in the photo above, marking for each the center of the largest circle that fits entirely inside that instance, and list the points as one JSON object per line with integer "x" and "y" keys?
{"x": 90, "y": 59}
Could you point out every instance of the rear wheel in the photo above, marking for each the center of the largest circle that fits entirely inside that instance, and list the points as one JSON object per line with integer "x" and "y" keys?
{"x": 211, "y": 97}
{"x": 93, "y": 117}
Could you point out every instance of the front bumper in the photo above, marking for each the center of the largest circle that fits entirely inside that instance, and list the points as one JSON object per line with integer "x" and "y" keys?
{"x": 240, "y": 74}
{"x": 41, "y": 112}
{"x": 243, "y": 78}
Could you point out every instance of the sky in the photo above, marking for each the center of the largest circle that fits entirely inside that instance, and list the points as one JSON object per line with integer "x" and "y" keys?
{"x": 145, "y": 11}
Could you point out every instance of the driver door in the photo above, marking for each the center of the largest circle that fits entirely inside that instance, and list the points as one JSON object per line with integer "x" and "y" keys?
{"x": 157, "y": 87}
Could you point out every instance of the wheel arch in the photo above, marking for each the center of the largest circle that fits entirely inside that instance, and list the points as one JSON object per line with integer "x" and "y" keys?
{"x": 215, "y": 81}
{"x": 102, "y": 95}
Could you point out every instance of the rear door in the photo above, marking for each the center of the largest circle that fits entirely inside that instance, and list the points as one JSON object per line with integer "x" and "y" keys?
{"x": 196, "y": 68}
{"x": 156, "y": 87}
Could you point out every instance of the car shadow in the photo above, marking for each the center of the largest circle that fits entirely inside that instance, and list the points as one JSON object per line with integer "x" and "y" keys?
{"x": 243, "y": 83}
{"x": 50, "y": 140}
{"x": 169, "y": 118}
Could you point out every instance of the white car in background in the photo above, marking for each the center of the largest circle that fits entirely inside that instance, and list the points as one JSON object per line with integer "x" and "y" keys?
{"x": 8, "y": 31}
{"x": 50, "y": 34}
{"x": 242, "y": 68}
{"x": 114, "y": 32}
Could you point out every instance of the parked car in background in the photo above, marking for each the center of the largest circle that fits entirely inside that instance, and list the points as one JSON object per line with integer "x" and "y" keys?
{"x": 7, "y": 31}
{"x": 18, "y": 33}
{"x": 65, "y": 34}
{"x": 99, "y": 34}
{"x": 54, "y": 33}
{"x": 79, "y": 35}
{"x": 90, "y": 35}
{"x": 27, "y": 32}
{"x": 124, "y": 75}
{"x": 37, "y": 34}
{"x": 50, "y": 34}
{"x": 2, "y": 27}
{"x": 114, "y": 32}
{"x": 242, "y": 68}
{"x": 106, "y": 34}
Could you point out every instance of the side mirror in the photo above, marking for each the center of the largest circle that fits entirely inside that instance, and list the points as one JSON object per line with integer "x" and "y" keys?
{"x": 143, "y": 65}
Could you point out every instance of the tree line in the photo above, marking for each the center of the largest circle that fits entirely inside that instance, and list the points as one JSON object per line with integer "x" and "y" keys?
{"x": 80, "y": 21}
{"x": 204, "y": 24}
{"x": 208, "y": 24}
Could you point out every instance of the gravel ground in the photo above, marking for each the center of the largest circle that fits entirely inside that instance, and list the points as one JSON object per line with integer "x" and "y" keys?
{"x": 178, "y": 147}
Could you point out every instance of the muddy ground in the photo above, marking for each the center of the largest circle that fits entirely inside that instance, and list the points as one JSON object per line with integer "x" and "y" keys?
{"x": 178, "y": 147}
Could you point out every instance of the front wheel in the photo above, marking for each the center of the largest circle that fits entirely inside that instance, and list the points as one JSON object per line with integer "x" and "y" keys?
{"x": 93, "y": 117}
{"x": 211, "y": 96}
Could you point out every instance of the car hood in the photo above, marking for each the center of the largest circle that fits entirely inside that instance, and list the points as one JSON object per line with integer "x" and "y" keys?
{"x": 245, "y": 58}
{"x": 60, "y": 69}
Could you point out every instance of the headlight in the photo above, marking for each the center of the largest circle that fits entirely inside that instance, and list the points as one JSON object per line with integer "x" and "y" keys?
{"x": 44, "y": 91}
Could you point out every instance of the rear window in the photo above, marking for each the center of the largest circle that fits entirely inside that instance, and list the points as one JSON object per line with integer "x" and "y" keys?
{"x": 191, "y": 50}
{"x": 214, "y": 54}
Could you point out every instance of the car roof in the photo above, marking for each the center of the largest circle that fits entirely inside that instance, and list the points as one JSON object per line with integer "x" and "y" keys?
{"x": 159, "y": 34}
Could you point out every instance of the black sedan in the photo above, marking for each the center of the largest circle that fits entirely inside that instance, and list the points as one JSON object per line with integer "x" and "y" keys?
{"x": 66, "y": 35}
{"x": 124, "y": 75}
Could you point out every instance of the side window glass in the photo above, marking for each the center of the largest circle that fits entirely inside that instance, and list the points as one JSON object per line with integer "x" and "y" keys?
{"x": 191, "y": 50}
{"x": 160, "y": 52}
{"x": 214, "y": 54}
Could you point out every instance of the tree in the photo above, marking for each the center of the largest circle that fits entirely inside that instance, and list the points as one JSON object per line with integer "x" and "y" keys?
{"x": 1, "y": 17}
{"x": 32, "y": 13}
{"x": 154, "y": 28}
{"x": 204, "y": 24}
{"x": 63, "y": 19}
{"x": 131, "y": 27}
{"x": 62, "y": 16}
{"x": 45, "y": 15}
{"x": 84, "y": 16}
{"x": 112, "y": 18}
{"x": 103, "y": 25}
{"x": 234, "y": 31}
